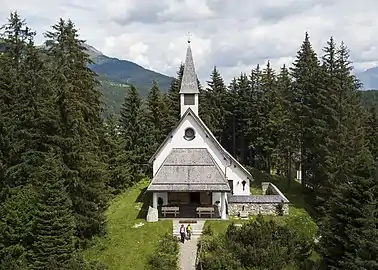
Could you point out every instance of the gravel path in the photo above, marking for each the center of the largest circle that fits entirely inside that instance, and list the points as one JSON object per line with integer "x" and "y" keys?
{"x": 188, "y": 252}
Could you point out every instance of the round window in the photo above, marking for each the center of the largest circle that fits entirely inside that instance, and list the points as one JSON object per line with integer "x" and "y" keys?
{"x": 189, "y": 134}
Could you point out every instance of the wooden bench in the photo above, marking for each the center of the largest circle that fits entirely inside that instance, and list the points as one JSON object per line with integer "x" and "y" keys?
{"x": 205, "y": 210}
{"x": 175, "y": 210}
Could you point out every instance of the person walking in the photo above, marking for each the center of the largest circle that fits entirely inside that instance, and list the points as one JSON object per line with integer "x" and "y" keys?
{"x": 182, "y": 233}
{"x": 189, "y": 231}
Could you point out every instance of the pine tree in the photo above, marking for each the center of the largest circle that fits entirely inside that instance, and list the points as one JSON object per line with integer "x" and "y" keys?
{"x": 288, "y": 141}
{"x": 372, "y": 132}
{"x": 267, "y": 109}
{"x": 214, "y": 105}
{"x": 350, "y": 231}
{"x": 133, "y": 132}
{"x": 255, "y": 122}
{"x": 16, "y": 220}
{"x": 305, "y": 73}
{"x": 349, "y": 189}
{"x": 172, "y": 101}
{"x": 79, "y": 105}
{"x": 18, "y": 83}
{"x": 341, "y": 135}
{"x": 155, "y": 115}
{"x": 31, "y": 125}
{"x": 54, "y": 225}
{"x": 229, "y": 133}
{"x": 119, "y": 174}
{"x": 241, "y": 116}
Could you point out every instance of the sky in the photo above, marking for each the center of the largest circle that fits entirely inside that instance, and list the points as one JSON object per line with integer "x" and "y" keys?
{"x": 232, "y": 35}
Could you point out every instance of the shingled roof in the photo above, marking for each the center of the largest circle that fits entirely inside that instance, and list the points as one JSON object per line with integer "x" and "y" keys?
{"x": 189, "y": 84}
{"x": 189, "y": 169}
{"x": 207, "y": 132}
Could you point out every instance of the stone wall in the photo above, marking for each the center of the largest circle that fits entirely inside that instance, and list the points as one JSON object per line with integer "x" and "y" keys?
{"x": 256, "y": 208}
{"x": 267, "y": 204}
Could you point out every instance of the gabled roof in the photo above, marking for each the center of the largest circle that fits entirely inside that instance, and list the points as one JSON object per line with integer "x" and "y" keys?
{"x": 208, "y": 133}
{"x": 189, "y": 83}
{"x": 189, "y": 169}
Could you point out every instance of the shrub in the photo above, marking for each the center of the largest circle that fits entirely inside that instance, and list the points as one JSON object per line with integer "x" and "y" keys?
{"x": 166, "y": 254}
{"x": 258, "y": 244}
{"x": 208, "y": 230}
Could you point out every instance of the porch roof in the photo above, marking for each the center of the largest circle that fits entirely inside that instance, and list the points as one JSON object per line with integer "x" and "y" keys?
{"x": 189, "y": 169}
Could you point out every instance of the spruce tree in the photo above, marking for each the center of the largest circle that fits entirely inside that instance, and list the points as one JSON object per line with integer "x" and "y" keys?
{"x": 241, "y": 117}
{"x": 229, "y": 133}
{"x": 214, "y": 105}
{"x": 79, "y": 108}
{"x": 288, "y": 141}
{"x": 155, "y": 115}
{"x": 30, "y": 123}
{"x": 133, "y": 132}
{"x": 172, "y": 101}
{"x": 255, "y": 122}
{"x": 54, "y": 224}
{"x": 372, "y": 132}
{"x": 305, "y": 73}
{"x": 16, "y": 220}
{"x": 350, "y": 230}
{"x": 342, "y": 133}
{"x": 119, "y": 174}
{"x": 268, "y": 109}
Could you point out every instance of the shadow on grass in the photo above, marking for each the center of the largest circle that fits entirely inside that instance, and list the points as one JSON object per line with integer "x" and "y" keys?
{"x": 144, "y": 198}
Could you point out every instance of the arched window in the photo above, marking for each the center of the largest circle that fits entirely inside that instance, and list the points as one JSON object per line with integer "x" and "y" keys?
{"x": 243, "y": 183}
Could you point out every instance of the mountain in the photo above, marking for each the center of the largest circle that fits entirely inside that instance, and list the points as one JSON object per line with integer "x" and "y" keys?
{"x": 369, "y": 78}
{"x": 127, "y": 72}
{"x": 369, "y": 99}
{"x": 117, "y": 75}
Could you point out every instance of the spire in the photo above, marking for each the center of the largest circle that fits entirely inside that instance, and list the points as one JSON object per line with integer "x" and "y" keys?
{"x": 189, "y": 83}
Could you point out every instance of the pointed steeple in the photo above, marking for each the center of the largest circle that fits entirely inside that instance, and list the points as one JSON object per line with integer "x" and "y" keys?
{"x": 189, "y": 83}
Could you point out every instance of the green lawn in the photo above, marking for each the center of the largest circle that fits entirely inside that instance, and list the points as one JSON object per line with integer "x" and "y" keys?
{"x": 125, "y": 247}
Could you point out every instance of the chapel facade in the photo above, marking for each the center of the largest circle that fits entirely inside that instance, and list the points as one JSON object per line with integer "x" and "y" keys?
{"x": 192, "y": 172}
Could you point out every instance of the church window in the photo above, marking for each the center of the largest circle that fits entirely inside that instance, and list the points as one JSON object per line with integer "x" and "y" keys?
{"x": 189, "y": 134}
{"x": 243, "y": 183}
{"x": 189, "y": 99}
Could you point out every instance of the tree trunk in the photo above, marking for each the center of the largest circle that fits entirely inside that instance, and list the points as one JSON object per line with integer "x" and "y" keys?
{"x": 288, "y": 169}
{"x": 303, "y": 168}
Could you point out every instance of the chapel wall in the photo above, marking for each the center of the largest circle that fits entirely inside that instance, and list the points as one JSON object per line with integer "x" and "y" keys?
{"x": 257, "y": 208}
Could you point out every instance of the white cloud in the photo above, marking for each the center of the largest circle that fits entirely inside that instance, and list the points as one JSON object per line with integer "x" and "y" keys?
{"x": 233, "y": 35}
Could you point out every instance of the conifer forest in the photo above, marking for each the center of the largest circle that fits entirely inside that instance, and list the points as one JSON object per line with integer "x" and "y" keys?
{"x": 61, "y": 162}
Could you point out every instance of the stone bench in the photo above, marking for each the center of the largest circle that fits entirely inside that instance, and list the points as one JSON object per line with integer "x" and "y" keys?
{"x": 243, "y": 214}
{"x": 175, "y": 210}
{"x": 205, "y": 210}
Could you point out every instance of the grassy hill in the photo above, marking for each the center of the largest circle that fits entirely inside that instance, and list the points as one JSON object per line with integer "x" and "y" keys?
{"x": 113, "y": 94}
{"x": 127, "y": 246}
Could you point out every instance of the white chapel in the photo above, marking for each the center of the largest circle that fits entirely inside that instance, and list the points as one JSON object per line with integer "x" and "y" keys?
{"x": 191, "y": 168}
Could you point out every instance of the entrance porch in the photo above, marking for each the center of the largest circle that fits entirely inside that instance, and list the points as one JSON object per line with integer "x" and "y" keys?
{"x": 194, "y": 204}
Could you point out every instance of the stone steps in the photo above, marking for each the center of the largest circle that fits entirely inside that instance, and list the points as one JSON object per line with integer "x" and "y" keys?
{"x": 194, "y": 232}
{"x": 196, "y": 227}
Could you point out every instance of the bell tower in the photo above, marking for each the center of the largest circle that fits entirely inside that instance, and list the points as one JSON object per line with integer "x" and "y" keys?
{"x": 189, "y": 91}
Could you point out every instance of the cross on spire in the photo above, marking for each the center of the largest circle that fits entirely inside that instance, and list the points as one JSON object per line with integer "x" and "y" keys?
{"x": 189, "y": 37}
